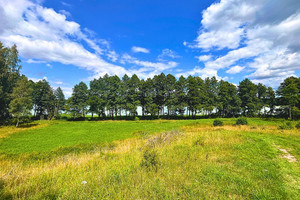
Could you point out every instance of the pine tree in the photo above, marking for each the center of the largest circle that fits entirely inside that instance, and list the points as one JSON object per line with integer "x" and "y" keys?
{"x": 77, "y": 104}
{"x": 170, "y": 93}
{"x": 180, "y": 95}
{"x": 133, "y": 94}
{"x": 60, "y": 101}
{"x": 248, "y": 96}
{"x": 289, "y": 92}
{"x": 228, "y": 100}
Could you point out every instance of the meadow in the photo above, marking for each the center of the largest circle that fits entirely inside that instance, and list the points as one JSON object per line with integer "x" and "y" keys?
{"x": 158, "y": 159}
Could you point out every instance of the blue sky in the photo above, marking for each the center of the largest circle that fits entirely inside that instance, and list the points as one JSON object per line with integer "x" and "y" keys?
{"x": 67, "y": 42}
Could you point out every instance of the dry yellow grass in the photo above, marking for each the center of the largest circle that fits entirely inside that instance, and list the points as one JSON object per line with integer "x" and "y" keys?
{"x": 6, "y": 131}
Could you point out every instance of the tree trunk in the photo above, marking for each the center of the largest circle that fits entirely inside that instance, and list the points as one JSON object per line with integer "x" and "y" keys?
{"x": 290, "y": 111}
{"x": 18, "y": 122}
{"x": 143, "y": 111}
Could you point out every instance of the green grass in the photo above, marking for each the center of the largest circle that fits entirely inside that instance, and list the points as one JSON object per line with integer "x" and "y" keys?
{"x": 196, "y": 161}
{"x": 61, "y": 134}
{"x": 66, "y": 134}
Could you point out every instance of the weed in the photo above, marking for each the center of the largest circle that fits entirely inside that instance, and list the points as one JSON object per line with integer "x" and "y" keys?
{"x": 241, "y": 121}
{"x": 218, "y": 122}
{"x": 150, "y": 159}
{"x": 286, "y": 126}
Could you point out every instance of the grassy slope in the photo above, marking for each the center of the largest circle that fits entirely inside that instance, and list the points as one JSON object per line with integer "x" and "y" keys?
{"x": 200, "y": 162}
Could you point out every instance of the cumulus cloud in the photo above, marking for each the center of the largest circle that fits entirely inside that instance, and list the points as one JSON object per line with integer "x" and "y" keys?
{"x": 203, "y": 58}
{"x": 263, "y": 35}
{"x": 136, "y": 49}
{"x": 147, "y": 68}
{"x": 44, "y": 35}
{"x": 235, "y": 70}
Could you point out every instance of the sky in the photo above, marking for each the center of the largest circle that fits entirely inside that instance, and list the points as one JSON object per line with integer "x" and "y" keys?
{"x": 70, "y": 41}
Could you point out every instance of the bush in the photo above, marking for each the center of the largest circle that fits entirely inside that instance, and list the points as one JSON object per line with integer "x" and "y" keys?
{"x": 286, "y": 126}
{"x": 136, "y": 119}
{"x": 298, "y": 125}
{"x": 218, "y": 122}
{"x": 150, "y": 160}
{"x": 241, "y": 121}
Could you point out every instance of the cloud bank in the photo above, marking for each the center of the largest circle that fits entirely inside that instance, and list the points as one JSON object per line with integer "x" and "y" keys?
{"x": 264, "y": 34}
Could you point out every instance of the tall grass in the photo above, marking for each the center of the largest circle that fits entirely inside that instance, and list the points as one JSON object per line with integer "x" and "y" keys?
{"x": 194, "y": 161}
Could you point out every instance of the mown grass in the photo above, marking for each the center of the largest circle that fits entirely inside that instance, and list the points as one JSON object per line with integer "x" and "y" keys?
{"x": 193, "y": 161}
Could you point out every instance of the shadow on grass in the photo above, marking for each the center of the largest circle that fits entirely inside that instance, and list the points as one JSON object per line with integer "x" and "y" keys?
{"x": 27, "y": 125}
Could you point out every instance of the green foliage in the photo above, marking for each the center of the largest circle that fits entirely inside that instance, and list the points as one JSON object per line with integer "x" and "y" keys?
{"x": 217, "y": 122}
{"x": 150, "y": 160}
{"x": 241, "y": 121}
{"x": 109, "y": 95}
{"x": 77, "y": 104}
{"x": 286, "y": 126}
{"x": 9, "y": 76}
{"x": 248, "y": 95}
{"x": 21, "y": 103}
{"x": 228, "y": 100}
{"x": 44, "y": 99}
{"x": 60, "y": 101}
{"x": 289, "y": 93}
{"x": 136, "y": 119}
{"x": 297, "y": 125}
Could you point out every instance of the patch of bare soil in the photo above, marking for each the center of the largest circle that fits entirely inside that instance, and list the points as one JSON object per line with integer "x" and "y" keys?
{"x": 287, "y": 155}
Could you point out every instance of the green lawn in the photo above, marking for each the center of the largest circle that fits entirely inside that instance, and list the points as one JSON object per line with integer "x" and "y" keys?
{"x": 65, "y": 134}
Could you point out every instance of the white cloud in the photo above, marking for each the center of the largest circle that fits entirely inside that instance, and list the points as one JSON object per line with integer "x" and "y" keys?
{"x": 58, "y": 82}
{"x": 235, "y": 70}
{"x": 201, "y": 72}
{"x": 48, "y": 65}
{"x": 112, "y": 55}
{"x": 66, "y": 90}
{"x": 204, "y": 58}
{"x": 148, "y": 69}
{"x": 167, "y": 53}
{"x": 263, "y": 38}
{"x": 43, "y": 35}
{"x": 136, "y": 49}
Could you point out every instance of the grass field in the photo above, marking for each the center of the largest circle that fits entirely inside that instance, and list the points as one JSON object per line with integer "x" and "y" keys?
{"x": 160, "y": 159}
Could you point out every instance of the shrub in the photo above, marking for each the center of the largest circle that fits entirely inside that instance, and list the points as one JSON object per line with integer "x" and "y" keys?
{"x": 150, "y": 159}
{"x": 286, "y": 126}
{"x": 218, "y": 122}
{"x": 298, "y": 125}
{"x": 241, "y": 121}
{"x": 136, "y": 119}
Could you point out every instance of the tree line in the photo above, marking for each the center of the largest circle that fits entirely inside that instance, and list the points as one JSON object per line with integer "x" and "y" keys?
{"x": 162, "y": 95}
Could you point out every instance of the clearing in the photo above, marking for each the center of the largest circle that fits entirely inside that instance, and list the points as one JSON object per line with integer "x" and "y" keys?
{"x": 159, "y": 159}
